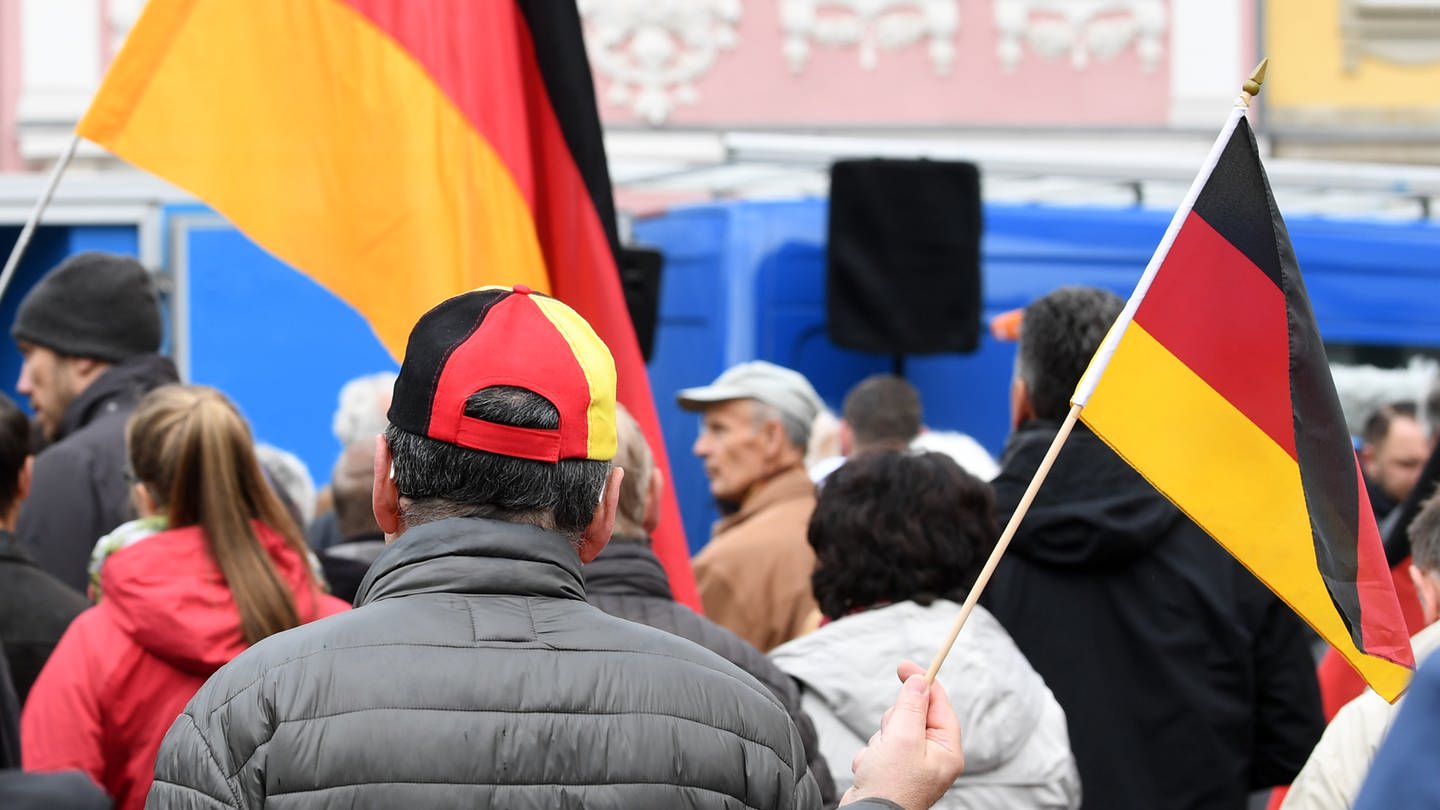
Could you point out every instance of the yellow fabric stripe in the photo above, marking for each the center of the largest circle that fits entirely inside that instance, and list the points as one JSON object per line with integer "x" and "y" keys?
{"x": 599, "y": 367}
{"x": 1227, "y": 475}
{"x": 343, "y": 158}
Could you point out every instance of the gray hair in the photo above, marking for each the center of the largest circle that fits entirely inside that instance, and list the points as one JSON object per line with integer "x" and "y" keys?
{"x": 363, "y": 403}
{"x": 288, "y": 474}
{"x": 1059, "y": 333}
{"x": 440, "y": 480}
{"x": 797, "y": 433}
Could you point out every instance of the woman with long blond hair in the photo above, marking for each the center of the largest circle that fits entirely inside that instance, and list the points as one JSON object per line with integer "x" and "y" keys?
{"x": 213, "y": 565}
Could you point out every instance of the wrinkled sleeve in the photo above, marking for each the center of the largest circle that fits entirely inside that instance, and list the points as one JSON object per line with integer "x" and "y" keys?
{"x": 60, "y": 521}
{"x": 1288, "y": 718}
{"x": 1332, "y": 776}
{"x": 725, "y": 605}
{"x": 807, "y": 793}
{"x": 60, "y": 728}
{"x": 188, "y": 775}
{"x": 1404, "y": 775}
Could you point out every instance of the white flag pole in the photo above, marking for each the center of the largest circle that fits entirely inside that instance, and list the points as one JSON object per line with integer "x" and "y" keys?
{"x": 28, "y": 231}
{"x": 1096, "y": 368}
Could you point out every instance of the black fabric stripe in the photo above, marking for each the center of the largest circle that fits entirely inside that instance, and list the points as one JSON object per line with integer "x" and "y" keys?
{"x": 560, "y": 52}
{"x": 1238, "y": 203}
{"x": 1326, "y": 457}
{"x": 435, "y": 337}
{"x": 1327, "y": 460}
{"x": 1230, "y": 205}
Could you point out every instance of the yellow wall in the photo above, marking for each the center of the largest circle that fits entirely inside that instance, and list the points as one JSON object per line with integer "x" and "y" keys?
{"x": 1307, "y": 68}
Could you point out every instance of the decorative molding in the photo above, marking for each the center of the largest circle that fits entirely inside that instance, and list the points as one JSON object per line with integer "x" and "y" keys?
{"x": 1085, "y": 29}
{"x": 871, "y": 25}
{"x": 652, "y": 51}
{"x": 1404, "y": 31}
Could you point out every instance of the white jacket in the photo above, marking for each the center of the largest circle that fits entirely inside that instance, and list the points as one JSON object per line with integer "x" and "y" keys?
{"x": 1017, "y": 749}
{"x": 1337, "y": 767}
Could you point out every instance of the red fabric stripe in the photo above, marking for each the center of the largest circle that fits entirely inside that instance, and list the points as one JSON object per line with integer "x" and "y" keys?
{"x": 495, "y": 82}
{"x": 483, "y": 72}
{"x": 550, "y": 370}
{"x": 1226, "y": 321}
{"x": 1381, "y": 631}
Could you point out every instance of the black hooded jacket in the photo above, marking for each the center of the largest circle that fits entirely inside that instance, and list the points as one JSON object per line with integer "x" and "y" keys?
{"x": 78, "y": 492}
{"x": 1186, "y": 683}
{"x": 628, "y": 581}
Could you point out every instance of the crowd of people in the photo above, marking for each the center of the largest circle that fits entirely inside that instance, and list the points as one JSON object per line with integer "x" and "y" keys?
{"x": 471, "y": 612}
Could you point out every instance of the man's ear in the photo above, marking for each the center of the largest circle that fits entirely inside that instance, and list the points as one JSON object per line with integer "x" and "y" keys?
{"x": 653, "y": 492}
{"x": 595, "y": 536}
{"x": 1367, "y": 459}
{"x": 846, "y": 437}
{"x": 1428, "y": 592}
{"x": 1022, "y": 410}
{"x": 22, "y": 484}
{"x": 384, "y": 496}
{"x": 86, "y": 369}
{"x": 773, "y": 439}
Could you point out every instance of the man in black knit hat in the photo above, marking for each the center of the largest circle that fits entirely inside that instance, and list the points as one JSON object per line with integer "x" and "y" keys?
{"x": 89, "y": 333}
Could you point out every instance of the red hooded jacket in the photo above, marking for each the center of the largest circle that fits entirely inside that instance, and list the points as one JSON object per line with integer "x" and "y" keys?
{"x": 126, "y": 667}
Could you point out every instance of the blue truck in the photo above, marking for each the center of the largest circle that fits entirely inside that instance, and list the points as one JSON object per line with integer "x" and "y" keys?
{"x": 742, "y": 280}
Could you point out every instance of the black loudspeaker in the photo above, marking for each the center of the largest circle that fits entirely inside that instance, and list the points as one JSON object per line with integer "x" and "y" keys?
{"x": 640, "y": 279}
{"x": 903, "y": 269}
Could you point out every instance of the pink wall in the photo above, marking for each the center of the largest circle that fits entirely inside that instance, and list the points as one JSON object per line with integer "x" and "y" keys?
{"x": 752, "y": 85}
{"x": 9, "y": 85}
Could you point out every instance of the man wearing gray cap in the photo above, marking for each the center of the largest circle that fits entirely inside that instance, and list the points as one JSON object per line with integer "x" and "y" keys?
{"x": 754, "y": 575}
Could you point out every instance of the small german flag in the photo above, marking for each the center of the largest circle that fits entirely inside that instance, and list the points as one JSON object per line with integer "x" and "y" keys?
{"x": 1214, "y": 385}
{"x": 399, "y": 152}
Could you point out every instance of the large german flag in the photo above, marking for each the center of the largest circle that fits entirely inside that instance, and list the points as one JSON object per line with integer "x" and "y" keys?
{"x": 398, "y": 151}
{"x": 1214, "y": 385}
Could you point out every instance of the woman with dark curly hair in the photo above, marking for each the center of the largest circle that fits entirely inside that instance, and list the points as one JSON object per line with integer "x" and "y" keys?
{"x": 899, "y": 539}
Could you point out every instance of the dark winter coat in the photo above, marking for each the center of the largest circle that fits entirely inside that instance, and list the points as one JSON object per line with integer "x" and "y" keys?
{"x": 1186, "y": 683}
{"x": 474, "y": 674}
{"x": 35, "y": 609}
{"x": 627, "y": 580}
{"x": 346, "y": 563}
{"x": 79, "y": 492}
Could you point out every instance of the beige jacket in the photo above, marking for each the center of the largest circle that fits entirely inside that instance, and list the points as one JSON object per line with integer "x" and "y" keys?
{"x": 1337, "y": 767}
{"x": 754, "y": 575}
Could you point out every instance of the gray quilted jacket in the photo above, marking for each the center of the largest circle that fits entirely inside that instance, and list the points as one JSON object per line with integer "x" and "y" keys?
{"x": 474, "y": 674}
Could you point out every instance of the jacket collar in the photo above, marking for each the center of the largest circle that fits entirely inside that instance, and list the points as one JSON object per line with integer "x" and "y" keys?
{"x": 475, "y": 556}
{"x": 119, "y": 386}
{"x": 627, "y": 568}
{"x": 790, "y": 485}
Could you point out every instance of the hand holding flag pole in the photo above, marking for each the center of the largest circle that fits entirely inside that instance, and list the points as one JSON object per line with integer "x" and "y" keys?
{"x": 1219, "y": 337}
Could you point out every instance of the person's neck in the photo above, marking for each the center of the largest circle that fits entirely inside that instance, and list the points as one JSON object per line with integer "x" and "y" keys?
{"x": 10, "y": 518}
{"x": 763, "y": 481}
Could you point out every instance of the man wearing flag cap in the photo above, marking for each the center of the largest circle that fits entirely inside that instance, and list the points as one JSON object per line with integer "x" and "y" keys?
{"x": 473, "y": 672}
{"x": 1185, "y": 682}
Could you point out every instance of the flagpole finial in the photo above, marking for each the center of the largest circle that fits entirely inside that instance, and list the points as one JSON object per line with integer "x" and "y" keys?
{"x": 1251, "y": 88}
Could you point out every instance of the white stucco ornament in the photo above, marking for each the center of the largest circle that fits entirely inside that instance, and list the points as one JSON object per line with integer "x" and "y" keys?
{"x": 652, "y": 51}
{"x": 870, "y": 26}
{"x": 1083, "y": 29}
